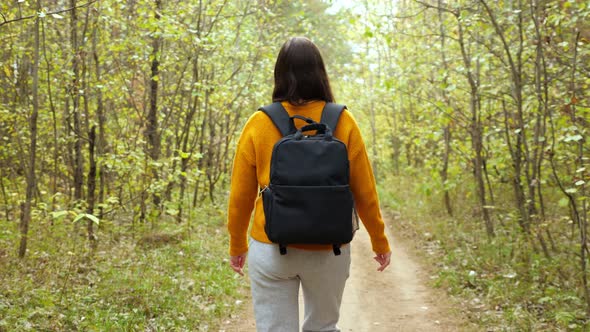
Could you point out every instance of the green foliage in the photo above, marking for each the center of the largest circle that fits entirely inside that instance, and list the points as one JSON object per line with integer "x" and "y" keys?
{"x": 156, "y": 261}
{"x": 450, "y": 86}
{"x": 434, "y": 90}
{"x": 506, "y": 283}
{"x": 156, "y": 279}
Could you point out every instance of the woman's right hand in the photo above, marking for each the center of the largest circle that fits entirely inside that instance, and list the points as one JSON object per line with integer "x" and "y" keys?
{"x": 237, "y": 263}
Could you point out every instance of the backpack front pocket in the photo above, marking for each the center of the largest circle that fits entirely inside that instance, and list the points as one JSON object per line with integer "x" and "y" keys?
{"x": 308, "y": 214}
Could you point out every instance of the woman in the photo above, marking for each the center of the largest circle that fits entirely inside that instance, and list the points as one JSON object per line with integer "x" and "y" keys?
{"x": 303, "y": 88}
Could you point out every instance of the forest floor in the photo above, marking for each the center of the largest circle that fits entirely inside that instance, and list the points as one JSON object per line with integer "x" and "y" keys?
{"x": 400, "y": 299}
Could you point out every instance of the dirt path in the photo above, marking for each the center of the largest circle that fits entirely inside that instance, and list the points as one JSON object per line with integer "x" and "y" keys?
{"x": 396, "y": 300}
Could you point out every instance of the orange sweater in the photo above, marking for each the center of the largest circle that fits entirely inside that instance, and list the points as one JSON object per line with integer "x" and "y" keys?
{"x": 251, "y": 171}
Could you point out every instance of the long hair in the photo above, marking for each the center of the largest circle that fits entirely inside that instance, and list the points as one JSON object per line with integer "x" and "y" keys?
{"x": 300, "y": 74}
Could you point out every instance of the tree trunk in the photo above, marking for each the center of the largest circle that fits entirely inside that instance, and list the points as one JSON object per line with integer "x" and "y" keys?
{"x": 75, "y": 93}
{"x": 444, "y": 172}
{"x": 582, "y": 214}
{"x": 31, "y": 179}
{"x": 152, "y": 135}
{"x": 396, "y": 142}
{"x": 373, "y": 139}
{"x": 201, "y": 141}
{"x": 475, "y": 130}
{"x": 91, "y": 184}
{"x": 4, "y": 196}
{"x": 100, "y": 115}
{"x": 54, "y": 176}
{"x": 518, "y": 150}
{"x": 211, "y": 146}
{"x": 185, "y": 139}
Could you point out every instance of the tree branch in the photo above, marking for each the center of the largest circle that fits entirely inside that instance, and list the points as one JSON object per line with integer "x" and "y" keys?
{"x": 401, "y": 17}
{"x": 3, "y": 18}
{"x": 5, "y": 21}
{"x": 443, "y": 9}
{"x": 500, "y": 33}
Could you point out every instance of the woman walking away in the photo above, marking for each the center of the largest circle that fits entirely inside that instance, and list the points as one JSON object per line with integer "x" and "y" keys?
{"x": 302, "y": 89}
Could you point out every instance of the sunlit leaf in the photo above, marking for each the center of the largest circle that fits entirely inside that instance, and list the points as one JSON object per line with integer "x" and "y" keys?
{"x": 59, "y": 214}
{"x": 88, "y": 216}
{"x": 574, "y": 138}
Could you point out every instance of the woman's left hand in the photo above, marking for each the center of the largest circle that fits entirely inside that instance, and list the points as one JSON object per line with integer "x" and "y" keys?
{"x": 383, "y": 260}
{"x": 237, "y": 263}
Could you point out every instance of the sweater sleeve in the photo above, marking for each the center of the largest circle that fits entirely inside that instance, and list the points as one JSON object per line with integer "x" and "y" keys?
{"x": 243, "y": 192}
{"x": 363, "y": 186}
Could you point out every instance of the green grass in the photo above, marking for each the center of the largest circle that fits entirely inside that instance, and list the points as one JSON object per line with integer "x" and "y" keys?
{"x": 164, "y": 278}
{"x": 505, "y": 283}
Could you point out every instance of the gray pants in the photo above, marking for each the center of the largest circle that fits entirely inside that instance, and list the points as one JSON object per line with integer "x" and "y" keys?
{"x": 275, "y": 282}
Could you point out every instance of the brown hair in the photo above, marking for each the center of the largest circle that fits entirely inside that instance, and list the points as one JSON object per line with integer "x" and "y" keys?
{"x": 300, "y": 74}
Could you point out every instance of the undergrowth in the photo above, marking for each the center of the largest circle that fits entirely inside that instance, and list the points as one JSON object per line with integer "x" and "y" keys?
{"x": 505, "y": 283}
{"x": 157, "y": 276}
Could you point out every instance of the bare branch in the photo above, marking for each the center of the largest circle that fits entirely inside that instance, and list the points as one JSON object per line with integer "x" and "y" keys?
{"x": 401, "y": 17}
{"x": 3, "y": 18}
{"x": 443, "y": 9}
{"x": 49, "y": 13}
{"x": 500, "y": 33}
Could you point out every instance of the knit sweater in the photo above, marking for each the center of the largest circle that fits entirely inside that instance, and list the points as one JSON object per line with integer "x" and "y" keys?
{"x": 251, "y": 171}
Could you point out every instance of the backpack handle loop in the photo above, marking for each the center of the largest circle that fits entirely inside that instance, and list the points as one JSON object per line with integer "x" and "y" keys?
{"x": 320, "y": 127}
{"x": 301, "y": 117}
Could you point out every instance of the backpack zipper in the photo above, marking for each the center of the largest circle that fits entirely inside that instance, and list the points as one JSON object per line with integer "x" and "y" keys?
{"x": 262, "y": 190}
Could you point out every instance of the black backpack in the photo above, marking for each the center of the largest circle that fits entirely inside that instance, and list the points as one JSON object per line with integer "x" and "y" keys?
{"x": 308, "y": 200}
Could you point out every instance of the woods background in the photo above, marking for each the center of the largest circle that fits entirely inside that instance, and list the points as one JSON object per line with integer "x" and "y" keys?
{"x": 118, "y": 122}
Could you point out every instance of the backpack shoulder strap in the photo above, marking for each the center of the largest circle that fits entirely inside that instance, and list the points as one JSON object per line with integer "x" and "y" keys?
{"x": 331, "y": 114}
{"x": 279, "y": 116}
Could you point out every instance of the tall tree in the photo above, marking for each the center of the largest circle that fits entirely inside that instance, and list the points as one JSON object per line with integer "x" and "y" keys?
{"x": 151, "y": 132}
{"x": 74, "y": 91}
{"x": 31, "y": 178}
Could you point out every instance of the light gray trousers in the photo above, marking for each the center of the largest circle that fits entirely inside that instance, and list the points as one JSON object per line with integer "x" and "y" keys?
{"x": 275, "y": 281}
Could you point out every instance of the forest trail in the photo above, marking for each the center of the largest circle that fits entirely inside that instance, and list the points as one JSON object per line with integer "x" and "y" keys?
{"x": 396, "y": 300}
